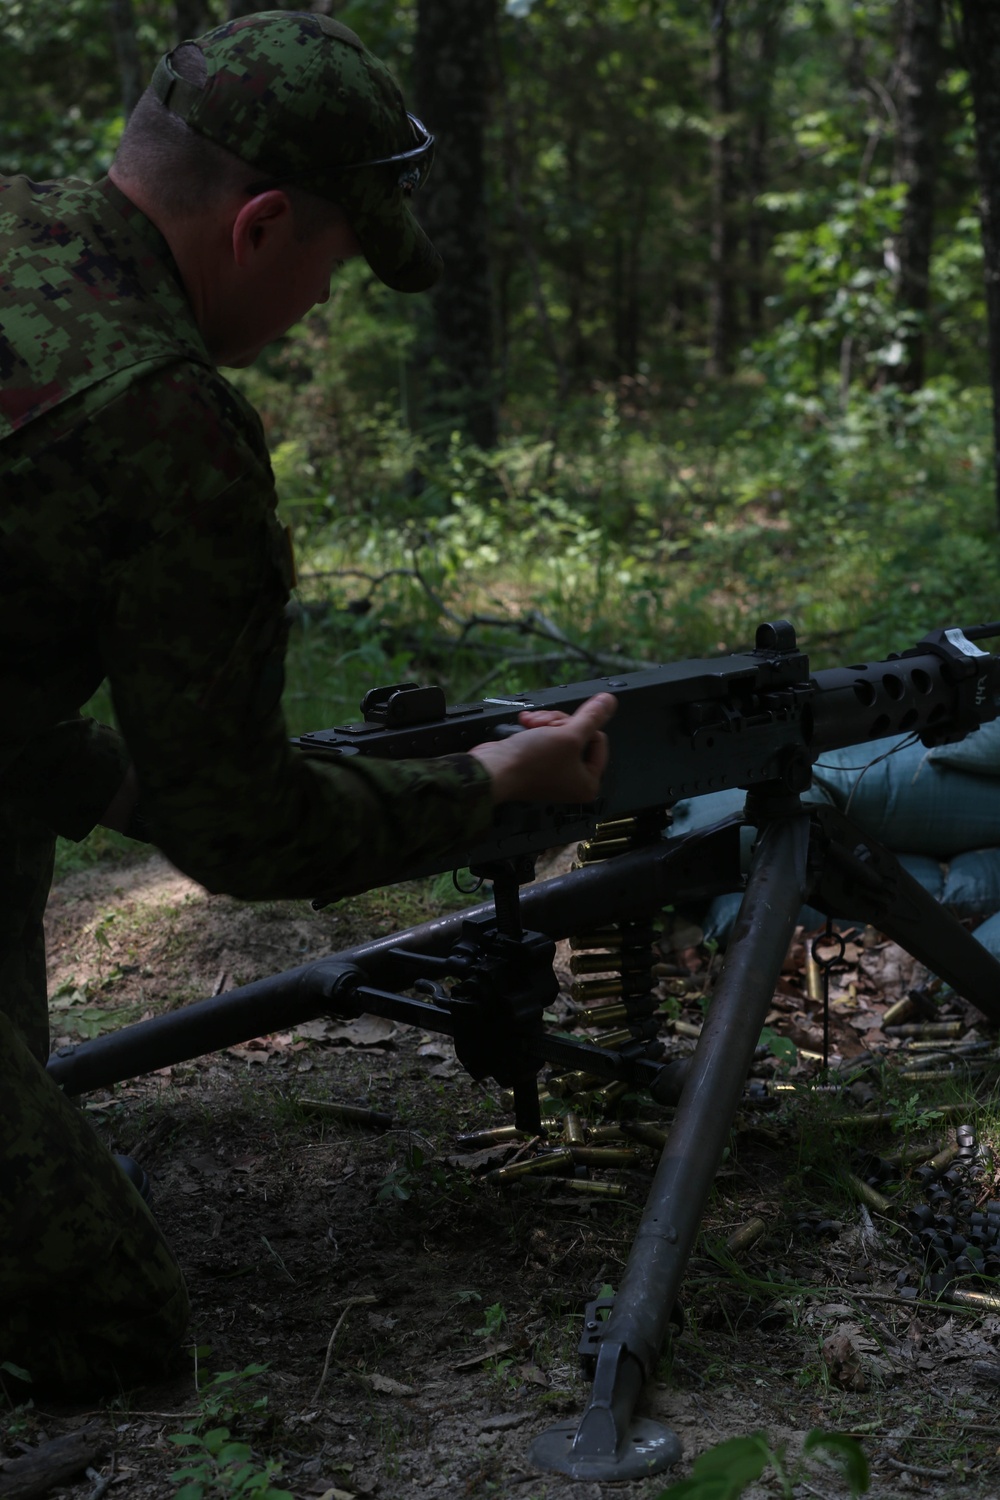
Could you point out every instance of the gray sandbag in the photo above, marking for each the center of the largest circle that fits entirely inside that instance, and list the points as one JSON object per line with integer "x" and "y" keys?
{"x": 978, "y": 754}
{"x": 972, "y": 884}
{"x": 913, "y": 804}
{"x": 718, "y": 920}
{"x": 988, "y": 933}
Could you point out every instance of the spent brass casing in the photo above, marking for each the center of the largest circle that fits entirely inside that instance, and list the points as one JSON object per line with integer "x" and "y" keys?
{"x": 349, "y": 1114}
{"x": 600, "y": 1134}
{"x": 814, "y": 979}
{"x": 944, "y": 1158}
{"x": 559, "y": 1160}
{"x": 926, "y": 1029}
{"x": 982, "y": 1301}
{"x": 603, "y": 1156}
{"x": 685, "y": 1028}
{"x": 507, "y": 1095}
{"x": 598, "y": 1189}
{"x": 498, "y": 1135}
{"x": 898, "y": 1012}
{"x": 573, "y": 1083}
{"x": 573, "y": 1130}
{"x": 748, "y": 1234}
{"x": 868, "y": 1194}
{"x": 943, "y": 1075}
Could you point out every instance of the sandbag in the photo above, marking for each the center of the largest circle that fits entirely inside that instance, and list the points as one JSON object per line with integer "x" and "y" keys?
{"x": 972, "y": 884}
{"x": 988, "y": 933}
{"x": 717, "y": 923}
{"x": 913, "y": 804}
{"x": 978, "y": 754}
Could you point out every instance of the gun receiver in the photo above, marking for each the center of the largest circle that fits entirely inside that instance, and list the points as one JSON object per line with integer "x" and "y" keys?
{"x": 692, "y": 727}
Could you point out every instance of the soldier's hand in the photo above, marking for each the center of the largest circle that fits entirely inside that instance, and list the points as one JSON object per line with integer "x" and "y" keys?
{"x": 557, "y": 757}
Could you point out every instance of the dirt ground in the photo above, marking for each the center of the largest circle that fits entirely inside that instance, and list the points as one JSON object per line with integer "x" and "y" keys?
{"x": 417, "y": 1324}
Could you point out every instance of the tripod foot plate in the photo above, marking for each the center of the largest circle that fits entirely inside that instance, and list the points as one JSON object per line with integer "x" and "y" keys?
{"x": 648, "y": 1448}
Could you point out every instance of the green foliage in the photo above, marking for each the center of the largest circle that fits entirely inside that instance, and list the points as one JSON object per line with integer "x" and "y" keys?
{"x": 218, "y": 1465}
{"x": 782, "y": 1047}
{"x": 494, "y": 1322}
{"x": 727, "y": 1470}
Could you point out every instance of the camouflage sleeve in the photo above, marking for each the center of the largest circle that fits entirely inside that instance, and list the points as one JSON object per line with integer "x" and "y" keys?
{"x": 193, "y": 640}
{"x": 67, "y": 776}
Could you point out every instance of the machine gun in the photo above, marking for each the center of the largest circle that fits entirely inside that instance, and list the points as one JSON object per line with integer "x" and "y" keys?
{"x": 756, "y": 720}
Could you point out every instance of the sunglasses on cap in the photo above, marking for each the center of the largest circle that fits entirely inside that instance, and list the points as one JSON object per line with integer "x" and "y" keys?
{"x": 415, "y": 164}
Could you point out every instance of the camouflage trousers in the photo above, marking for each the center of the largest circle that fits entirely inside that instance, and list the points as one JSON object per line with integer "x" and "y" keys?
{"x": 90, "y": 1295}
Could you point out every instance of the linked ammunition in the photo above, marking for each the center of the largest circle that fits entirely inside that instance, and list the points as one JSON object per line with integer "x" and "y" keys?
{"x": 601, "y": 1015}
{"x": 596, "y": 989}
{"x": 594, "y": 849}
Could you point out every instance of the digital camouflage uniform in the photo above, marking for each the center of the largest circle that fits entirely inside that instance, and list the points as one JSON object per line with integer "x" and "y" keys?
{"x": 138, "y": 543}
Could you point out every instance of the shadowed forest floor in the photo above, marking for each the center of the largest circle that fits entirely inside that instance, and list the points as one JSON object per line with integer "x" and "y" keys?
{"x": 417, "y": 1324}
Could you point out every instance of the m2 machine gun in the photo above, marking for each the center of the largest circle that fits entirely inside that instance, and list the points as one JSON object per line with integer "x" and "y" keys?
{"x": 755, "y": 720}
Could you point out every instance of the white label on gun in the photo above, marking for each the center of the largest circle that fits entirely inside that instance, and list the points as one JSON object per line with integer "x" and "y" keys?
{"x": 961, "y": 643}
{"x": 510, "y": 702}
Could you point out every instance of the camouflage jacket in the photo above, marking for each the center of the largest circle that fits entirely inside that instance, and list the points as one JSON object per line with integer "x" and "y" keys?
{"x": 139, "y": 543}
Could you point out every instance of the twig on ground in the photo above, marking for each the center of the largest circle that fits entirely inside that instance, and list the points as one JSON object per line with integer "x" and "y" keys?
{"x": 351, "y": 1302}
{"x": 919, "y": 1470}
{"x": 101, "y": 1481}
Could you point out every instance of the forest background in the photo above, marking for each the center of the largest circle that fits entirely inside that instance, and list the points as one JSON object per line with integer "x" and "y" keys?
{"x": 712, "y": 345}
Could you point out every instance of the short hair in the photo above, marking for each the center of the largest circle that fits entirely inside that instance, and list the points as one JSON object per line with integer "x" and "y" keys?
{"x": 182, "y": 170}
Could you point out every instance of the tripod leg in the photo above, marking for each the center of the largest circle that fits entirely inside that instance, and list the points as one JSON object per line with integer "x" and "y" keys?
{"x": 859, "y": 877}
{"x": 608, "y": 1444}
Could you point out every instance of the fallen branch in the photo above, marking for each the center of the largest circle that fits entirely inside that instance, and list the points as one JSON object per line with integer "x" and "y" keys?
{"x": 51, "y": 1464}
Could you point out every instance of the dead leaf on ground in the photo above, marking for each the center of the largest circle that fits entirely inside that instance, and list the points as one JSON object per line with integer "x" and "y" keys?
{"x": 386, "y": 1386}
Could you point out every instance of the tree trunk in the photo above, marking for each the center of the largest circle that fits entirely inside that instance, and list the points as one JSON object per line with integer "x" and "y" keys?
{"x": 919, "y": 66}
{"x": 722, "y": 246}
{"x": 981, "y": 38}
{"x": 764, "y": 63}
{"x": 454, "y": 66}
{"x": 121, "y": 17}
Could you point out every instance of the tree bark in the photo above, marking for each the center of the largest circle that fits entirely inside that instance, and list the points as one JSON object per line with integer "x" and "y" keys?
{"x": 981, "y": 39}
{"x": 919, "y": 67}
{"x": 764, "y": 63}
{"x": 121, "y": 17}
{"x": 455, "y": 65}
{"x": 723, "y": 238}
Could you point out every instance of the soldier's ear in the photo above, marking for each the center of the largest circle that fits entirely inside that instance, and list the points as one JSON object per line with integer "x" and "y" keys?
{"x": 261, "y": 228}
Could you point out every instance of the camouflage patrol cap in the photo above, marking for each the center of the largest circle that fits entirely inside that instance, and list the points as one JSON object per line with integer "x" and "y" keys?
{"x": 298, "y": 97}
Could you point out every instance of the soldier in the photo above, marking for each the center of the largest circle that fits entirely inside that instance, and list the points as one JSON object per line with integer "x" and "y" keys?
{"x": 138, "y": 543}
